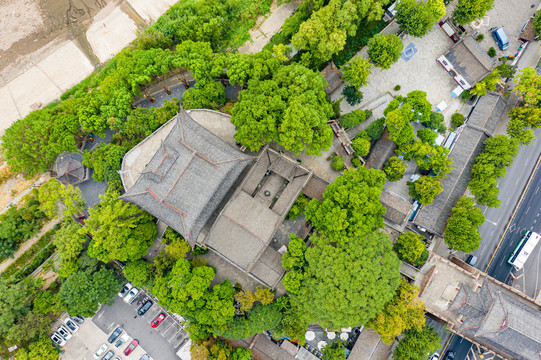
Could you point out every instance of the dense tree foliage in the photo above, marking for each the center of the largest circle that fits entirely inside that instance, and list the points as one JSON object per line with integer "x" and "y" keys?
{"x": 353, "y": 119}
{"x": 106, "y": 161}
{"x": 258, "y": 320}
{"x": 291, "y": 109}
{"x": 394, "y": 169}
{"x": 84, "y": 291}
{"x": 369, "y": 277}
{"x": 490, "y": 166}
{"x": 417, "y": 344}
{"x": 28, "y": 327}
{"x": 213, "y": 349}
{"x": 111, "y": 241}
{"x": 410, "y": 247}
{"x": 405, "y": 311}
{"x": 469, "y": 10}
{"x": 68, "y": 241}
{"x": 54, "y": 195}
{"x": 137, "y": 272}
{"x": 43, "y": 349}
{"x": 416, "y": 17}
{"x": 325, "y": 33}
{"x": 462, "y": 230}
{"x": 375, "y": 129}
{"x": 356, "y": 72}
{"x": 13, "y": 301}
{"x": 334, "y": 351}
{"x": 425, "y": 189}
{"x": 350, "y": 205}
{"x": 361, "y": 144}
{"x": 385, "y": 50}
{"x": 523, "y": 121}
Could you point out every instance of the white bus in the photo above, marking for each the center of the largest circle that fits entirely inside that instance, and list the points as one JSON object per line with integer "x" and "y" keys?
{"x": 524, "y": 249}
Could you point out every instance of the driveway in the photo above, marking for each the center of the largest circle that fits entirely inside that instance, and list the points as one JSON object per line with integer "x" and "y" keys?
{"x": 160, "y": 343}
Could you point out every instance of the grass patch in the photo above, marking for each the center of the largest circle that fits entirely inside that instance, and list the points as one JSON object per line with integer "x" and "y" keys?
{"x": 32, "y": 258}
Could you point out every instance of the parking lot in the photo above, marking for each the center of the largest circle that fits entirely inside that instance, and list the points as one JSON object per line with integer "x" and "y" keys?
{"x": 160, "y": 343}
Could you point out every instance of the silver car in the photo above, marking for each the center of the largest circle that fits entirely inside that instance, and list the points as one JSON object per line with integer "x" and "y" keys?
{"x": 62, "y": 330}
{"x": 58, "y": 339}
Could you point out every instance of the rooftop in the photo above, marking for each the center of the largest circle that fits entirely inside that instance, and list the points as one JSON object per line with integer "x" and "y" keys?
{"x": 480, "y": 308}
{"x": 381, "y": 152}
{"x": 397, "y": 209}
{"x": 470, "y": 60}
{"x": 483, "y": 121}
{"x": 245, "y": 227}
{"x": 185, "y": 179}
{"x": 333, "y": 77}
{"x": 69, "y": 169}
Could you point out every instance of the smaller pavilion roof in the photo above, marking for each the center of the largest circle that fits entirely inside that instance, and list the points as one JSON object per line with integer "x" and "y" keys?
{"x": 69, "y": 168}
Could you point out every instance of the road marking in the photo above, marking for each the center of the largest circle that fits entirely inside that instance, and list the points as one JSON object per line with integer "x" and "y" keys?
{"x": 528, "y": 209}
{"x": 492, "y": 222}
{"x": 515, "y": 210}
{"x": 536, "y": 190}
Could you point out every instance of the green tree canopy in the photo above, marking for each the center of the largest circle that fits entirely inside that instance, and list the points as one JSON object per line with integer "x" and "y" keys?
{"x": 394, "y": 169}
{"x": 425, "y": 189}
{"x": 524, "y": 119}
{"x": 416, "y": 17}
{"x": 409, "y": 247}
{"x": 83, "y": 291}
{"x": 324, "y": 33}
{"x": 462, "y": 230}
{"x": 352, "y": 119}
{"x": 137, "y": 272}
{"x": 468, "y": 10}
{"x": 385, "y": 50}
{"x": 350, "y": 206}
{"x": 291, "y": 109}
{"x": 334, "y": 351}
{"x": 27, "y": 328}
{"x": 119, "y": 230}
{"x": 13, "y": 301}
{"x": 53, "y": 194}
{"x": 529, "y": 86}
{"x": 43, "y": 349}
{"x": 490, "y": 166}
{"x": 106, "y": 160}
{"x": 416, "y": 345}
{"x": 356, "y": 72}
{"x": 405, "y": 311}
{"x": 213, "y": 349}
{"x": 68, "y": 241}
{"x": 369, "y": 276}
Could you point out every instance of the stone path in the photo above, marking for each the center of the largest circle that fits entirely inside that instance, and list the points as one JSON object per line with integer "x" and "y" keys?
{"x": 28, "y": 244}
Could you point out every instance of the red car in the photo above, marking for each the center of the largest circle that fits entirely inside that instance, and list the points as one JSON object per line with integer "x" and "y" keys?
{"x": 158, "y": 320}
{"x": 131, "y": 347}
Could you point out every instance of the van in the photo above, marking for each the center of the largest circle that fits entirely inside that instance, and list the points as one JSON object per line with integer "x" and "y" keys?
{"x": 471, "y": 260}
{"x": 501, "y": 38}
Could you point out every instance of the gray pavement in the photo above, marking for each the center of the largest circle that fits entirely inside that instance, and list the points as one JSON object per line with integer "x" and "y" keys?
{"x": 160, "y": 343}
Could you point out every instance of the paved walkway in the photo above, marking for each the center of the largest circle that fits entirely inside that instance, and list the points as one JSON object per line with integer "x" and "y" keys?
{"x": 27, "y": 244}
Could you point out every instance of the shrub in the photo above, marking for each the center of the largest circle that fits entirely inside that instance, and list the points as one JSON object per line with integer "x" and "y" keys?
{"x": 361, "y": 145}
{"x": 479, "y": 37}
{"x": 298, "y": 207}
{"x": 491, "y": 52}
{"x": 457, "y": 120}
{"x": 375, "y": 129}
{"x": 352, "y": 119}
{"x": 409, "y": 247}
{"x": 397, "y": 88}
{"x": 337, "y": 163}
{"x": 353, "y": 96}
{"x": 356, "y": 162}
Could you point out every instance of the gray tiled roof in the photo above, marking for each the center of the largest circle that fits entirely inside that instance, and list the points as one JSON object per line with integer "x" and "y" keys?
{"x": 397, "y": 209}
{"x": 470, "y": 60}
{"x": 506, "y": 324}
{"x": 484, "y": 119}
{"x": 69, "y": 168}
{"x": 381, "y": 152}
{"x": 187, "y": 177}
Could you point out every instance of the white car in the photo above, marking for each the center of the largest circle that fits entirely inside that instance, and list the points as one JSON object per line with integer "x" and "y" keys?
{"x": 125, "y": 337}
{"x": 62, "y": 330}
{"x": 100, "y": 351}
{"x": 129, "y": 298}
{"x": 58, "y": 339}
{"x": 436, "y": 356}
{"x": 71, "y": 324}
{"x": 125, "y": 289}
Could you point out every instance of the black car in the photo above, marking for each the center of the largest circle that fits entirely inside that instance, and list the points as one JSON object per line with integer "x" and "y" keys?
{"x": 115, "y": 335}
{"x": 144, "y": 308}
{"x": 450, "y": 355}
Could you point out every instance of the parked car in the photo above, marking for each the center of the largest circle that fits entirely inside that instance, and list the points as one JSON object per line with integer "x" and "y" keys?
{"x": 114, "y": 335}
{"x": 145, "y": 357}
{"x": 471, "y": 260}
{"x": 144, "y": 308}
{"x": 450, "y": 355}
{"x": 122, "y": 340}
{"x": 131, "y": 294}
{"x": 71, "y": 324}
{"x": 100, "y": 351}
{"x": 436, "y": 356}
{"x": 131, "y": 347}
{"x": 108, "y": 356}
{"x": 78, "y": 319}
{"x": 125, "y": 289}
{"x": 158, "y": 320}
{"x": 62, "y": 330}
{"x": 501, "y": 39}
{"x": 58, "y": 339}
{"x": 117, "y": 358}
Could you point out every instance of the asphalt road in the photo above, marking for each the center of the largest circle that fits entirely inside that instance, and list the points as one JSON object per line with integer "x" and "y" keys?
{"x": 527, "y": 217}
{"x": 511, "y": 187}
